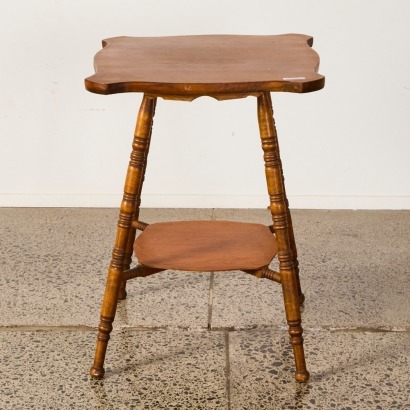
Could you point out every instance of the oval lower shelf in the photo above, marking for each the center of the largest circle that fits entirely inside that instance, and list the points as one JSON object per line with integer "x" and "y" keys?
{"x": 205, "y": 246}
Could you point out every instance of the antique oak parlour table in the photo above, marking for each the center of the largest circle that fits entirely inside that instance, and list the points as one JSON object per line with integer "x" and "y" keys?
{"x": 185, "y": 68}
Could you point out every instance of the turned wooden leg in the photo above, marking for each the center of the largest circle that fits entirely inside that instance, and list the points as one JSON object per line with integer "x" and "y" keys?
{"x": 291, "y": 233}
{"x": 132, "y": 188}
{"x": 132, "y": 232}
{"x": 283, "y": 231}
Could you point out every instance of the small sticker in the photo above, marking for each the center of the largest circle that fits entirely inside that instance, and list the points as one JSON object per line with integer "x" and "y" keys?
{"x": 294, "y": 78}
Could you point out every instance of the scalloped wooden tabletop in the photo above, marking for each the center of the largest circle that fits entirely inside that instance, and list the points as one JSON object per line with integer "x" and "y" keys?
{"x": 206, "y": 65}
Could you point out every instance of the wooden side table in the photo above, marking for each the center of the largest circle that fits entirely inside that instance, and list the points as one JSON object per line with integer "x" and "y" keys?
{"x": 185, "y": 68}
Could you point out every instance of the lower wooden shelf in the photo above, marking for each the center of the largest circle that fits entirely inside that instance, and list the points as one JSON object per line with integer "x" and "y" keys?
{"x": 205, "y": 246}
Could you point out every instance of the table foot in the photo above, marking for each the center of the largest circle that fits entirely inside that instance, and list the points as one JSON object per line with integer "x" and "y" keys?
{"x": 296, "y": 340}
{"x": 97, "y": 373}
{"x": 302, "y": 377}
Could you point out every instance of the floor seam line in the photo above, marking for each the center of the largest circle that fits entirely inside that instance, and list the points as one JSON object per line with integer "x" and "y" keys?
{"x": 48, "y": 328}
{"x": 228, "y": 370}
{"x": 85, "y": 328}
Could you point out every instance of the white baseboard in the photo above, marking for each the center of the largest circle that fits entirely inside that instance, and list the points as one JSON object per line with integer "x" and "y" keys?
{"x": 205, "y": 201}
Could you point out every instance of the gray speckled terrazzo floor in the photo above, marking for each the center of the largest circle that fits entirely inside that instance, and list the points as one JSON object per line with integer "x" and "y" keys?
{"x": 204, "y": 340}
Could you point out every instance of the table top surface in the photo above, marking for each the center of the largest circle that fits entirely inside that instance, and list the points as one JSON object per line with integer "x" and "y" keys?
{"x": 206, "y": 65}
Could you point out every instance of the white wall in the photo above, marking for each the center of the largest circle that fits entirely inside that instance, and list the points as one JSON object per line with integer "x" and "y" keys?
{"x": 346, "y": 146}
